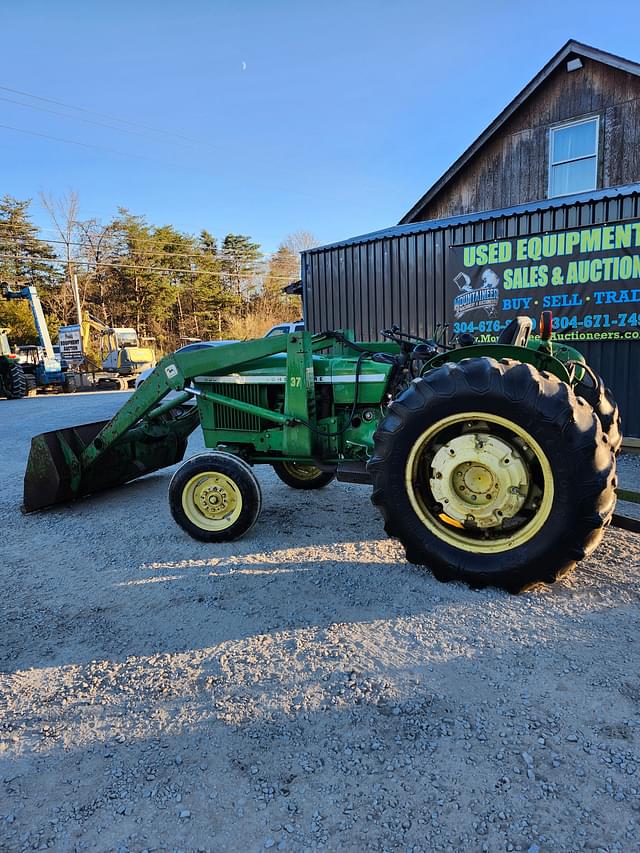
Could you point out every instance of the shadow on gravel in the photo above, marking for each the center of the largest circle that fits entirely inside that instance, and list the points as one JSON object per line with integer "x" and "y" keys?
{"x": 200, "y": 603}
{"x": 131, "y": 583}
{"x": 306, "y": 664}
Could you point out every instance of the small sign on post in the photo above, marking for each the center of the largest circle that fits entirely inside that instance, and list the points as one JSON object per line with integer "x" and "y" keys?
{"x": 71, "y": 344}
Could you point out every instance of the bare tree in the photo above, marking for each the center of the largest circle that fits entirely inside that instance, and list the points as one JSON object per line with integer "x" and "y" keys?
{"x": 299, "y": 241}
{"x": 63, "y": 212}
{"x": 99, "y": 245}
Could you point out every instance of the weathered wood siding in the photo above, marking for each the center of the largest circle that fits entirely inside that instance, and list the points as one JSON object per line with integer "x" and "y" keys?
{"x": 512, "y": 167}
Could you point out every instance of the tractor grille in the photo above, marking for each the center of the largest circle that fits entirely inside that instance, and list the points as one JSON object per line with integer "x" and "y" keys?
{"x": 233, "y": 419}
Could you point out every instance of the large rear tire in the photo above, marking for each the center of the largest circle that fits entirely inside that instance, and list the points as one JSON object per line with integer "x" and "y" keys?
{"x": 493, "y": 473}
{"x": 299, "y": 476}
{"x": 215, "y": 497}
{"x": 14, "y": 381}
{"x": 604, "y": 404}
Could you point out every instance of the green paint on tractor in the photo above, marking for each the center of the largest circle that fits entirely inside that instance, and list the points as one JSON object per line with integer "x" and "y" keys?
{"x": 315, "y": 406}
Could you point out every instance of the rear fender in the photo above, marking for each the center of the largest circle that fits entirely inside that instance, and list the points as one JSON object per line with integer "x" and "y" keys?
{"x": 538, "y": 358}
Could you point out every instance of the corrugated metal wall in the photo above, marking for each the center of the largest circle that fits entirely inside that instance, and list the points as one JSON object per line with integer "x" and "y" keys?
{"x": 399, "y": 276}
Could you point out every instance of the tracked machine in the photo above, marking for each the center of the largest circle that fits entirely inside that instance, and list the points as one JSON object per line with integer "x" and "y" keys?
{"x": 491, "y": 463}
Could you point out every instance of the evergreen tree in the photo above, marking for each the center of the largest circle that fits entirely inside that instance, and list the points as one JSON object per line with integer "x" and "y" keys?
{"x": 211, "y": 303}
{"x": 21, "y": 250}
{"x": 23, "y": 261}
{"x": 143, "y": 284}
{"x": 240, "y": 265}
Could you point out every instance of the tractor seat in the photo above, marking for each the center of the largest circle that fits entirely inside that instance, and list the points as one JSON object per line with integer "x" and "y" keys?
{"x": 517, "y": 332}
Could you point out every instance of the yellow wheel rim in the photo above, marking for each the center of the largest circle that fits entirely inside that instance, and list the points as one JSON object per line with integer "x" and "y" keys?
{"x": 212, "y": 501}
{"x": 301, "y": 472}
{"x": 480, "y": 482}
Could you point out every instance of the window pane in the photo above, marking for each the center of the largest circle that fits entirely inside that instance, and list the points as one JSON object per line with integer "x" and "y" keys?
{"x": 573, "y": 177}
{"x": 578, "y": 140}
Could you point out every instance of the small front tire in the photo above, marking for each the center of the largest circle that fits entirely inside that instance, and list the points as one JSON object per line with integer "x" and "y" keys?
{"x": 215, "y": 497}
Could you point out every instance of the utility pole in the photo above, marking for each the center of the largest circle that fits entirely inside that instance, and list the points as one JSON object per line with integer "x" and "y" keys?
{"x": 76, "y": 298}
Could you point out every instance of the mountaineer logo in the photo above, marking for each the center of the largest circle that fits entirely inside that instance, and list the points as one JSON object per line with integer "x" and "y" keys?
{"x": 471, "y": 299}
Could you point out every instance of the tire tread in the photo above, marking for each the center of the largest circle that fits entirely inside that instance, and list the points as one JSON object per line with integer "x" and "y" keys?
{"x": 536, "y": 396}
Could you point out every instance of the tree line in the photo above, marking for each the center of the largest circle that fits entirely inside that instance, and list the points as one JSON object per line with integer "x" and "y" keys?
{"x": 171, "y": 286}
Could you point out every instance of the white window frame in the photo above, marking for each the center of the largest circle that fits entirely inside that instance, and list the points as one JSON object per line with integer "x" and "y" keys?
{"x": 552, "y": 163}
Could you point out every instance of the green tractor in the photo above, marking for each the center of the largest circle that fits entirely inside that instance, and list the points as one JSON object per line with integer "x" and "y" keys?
{"x": 494, "y": 464}
{"x": 14, "y": 382}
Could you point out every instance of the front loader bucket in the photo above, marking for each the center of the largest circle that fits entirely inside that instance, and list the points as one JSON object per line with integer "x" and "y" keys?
{"x": 56, "y": 472}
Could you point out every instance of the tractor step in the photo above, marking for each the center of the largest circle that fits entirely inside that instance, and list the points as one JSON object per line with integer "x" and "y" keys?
{"x": 625, "y": 522}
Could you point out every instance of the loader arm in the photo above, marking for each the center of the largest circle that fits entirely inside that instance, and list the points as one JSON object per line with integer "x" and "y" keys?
{"x": 142, "y": 437}
{"x": 174, "y": 373}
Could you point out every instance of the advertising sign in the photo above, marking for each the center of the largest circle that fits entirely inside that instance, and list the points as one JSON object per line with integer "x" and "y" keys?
{"x": 71, "y": 344}
{"x": 589, "y": 277}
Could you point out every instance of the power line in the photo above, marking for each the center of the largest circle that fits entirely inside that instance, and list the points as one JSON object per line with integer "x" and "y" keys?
{"x": 90, "y": 145}
{"x": 73, "y": 118}
{"x": 16, "y": 238}
{"x": 72, "y": 142}
{"x": 116, "y": 233}
{"x": 215, "y": 273}
{"x": 88, "y": 245}
{"x": 100, "y": 115}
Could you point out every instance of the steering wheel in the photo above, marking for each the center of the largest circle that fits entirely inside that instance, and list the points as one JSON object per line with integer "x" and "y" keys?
{"x": 403, "y": 338}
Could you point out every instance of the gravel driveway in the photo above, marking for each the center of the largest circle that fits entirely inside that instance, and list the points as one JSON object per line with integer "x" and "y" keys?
{"x": 303, "y": 688}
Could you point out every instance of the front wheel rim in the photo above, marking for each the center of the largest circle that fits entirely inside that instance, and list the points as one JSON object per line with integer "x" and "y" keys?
{"x": 479, "y": 482}
{"x": 212, "y": 501}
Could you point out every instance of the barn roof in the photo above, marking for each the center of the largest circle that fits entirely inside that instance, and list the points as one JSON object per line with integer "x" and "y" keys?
{"x": 572, "y": 49}
{"x": 606, "y": 194}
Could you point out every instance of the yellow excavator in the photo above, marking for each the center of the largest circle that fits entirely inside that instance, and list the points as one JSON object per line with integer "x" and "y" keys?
{"x": 121, "y": 356}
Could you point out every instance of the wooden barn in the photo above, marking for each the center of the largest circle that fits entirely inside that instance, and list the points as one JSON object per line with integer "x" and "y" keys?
{"x": 575, "y": 128}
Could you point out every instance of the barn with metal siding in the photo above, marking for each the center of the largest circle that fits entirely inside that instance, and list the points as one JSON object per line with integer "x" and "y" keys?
{"x": 400, "y": 275}
{"x": 562, "y": 157}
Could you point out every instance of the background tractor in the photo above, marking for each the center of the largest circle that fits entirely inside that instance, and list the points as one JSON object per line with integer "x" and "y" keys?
{"x": 14, "y": 382}
{"x": 491, "y": 463}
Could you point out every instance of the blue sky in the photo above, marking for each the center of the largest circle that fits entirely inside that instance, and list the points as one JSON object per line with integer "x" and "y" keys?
{"x": 267, "y": 117}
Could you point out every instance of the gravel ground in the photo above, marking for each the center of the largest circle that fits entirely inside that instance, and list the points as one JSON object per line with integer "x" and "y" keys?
{"x": 304, "y": 688}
